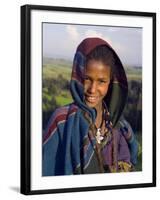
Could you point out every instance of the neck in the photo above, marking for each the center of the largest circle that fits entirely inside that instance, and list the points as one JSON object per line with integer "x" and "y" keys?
{"x": 99, "y": 117}
{"x": 99, "y": 108}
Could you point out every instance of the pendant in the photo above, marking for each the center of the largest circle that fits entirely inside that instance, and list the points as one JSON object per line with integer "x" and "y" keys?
{"x": 99, "y": 137}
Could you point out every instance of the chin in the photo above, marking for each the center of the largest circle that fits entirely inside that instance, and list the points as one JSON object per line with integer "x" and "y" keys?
{"x": 92, "y": 105}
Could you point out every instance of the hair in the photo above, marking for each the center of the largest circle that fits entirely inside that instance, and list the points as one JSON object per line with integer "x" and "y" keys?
{"x": 104, "y": 54}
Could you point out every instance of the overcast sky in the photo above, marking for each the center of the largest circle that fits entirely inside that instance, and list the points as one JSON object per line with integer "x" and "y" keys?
{"x": 61, "y": 40}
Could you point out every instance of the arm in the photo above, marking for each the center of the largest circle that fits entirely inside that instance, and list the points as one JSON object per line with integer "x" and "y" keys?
{"x": 50, "y": 147}
{"x": 52, "y": 154}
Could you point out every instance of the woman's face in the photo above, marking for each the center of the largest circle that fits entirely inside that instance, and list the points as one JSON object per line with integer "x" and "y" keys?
{"x": 96, "y": 83}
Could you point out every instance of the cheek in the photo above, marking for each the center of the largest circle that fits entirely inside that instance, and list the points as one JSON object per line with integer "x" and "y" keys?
{"x": 85, "y": 86}
{"x": 104, "y": 90}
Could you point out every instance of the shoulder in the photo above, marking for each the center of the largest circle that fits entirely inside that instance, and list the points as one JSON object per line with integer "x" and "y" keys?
{"x": 61, "y": 113}
{"x": 59, "y": 116}
{"x": 64, "y": 112}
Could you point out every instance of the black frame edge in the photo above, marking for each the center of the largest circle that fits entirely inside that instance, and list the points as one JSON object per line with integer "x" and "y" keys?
{"x": 90, "y": 189}
{"x": 25, "y": 101}
{"x": 89, "y": 10}
{"x": 25, "y": 179}
{"x": 154, "y": 99}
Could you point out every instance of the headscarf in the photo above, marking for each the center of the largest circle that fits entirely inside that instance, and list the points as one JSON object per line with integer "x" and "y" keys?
{"x": 118, "y": 89}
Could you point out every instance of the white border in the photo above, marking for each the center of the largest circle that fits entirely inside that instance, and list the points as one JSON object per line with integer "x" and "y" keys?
{"x": 42, "y": 183}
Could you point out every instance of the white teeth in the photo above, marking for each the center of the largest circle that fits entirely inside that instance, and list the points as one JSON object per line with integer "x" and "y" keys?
{"x": 91, "y": 98}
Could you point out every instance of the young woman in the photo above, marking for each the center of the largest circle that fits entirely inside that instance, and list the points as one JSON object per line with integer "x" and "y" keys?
{"x": 88, "y": 136}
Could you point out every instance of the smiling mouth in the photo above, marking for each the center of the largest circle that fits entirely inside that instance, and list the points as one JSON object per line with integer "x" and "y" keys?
{"x": 91, "y": 99}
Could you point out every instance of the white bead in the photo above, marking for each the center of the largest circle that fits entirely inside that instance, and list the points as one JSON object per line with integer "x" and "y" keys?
{"x": 99, "y": 137}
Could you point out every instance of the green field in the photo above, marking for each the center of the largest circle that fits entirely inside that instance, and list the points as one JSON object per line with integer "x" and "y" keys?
{"x": 134, "y": 73}
{"x": 58, "y": 71}
{"x": 53, "y": 67}
{"x": 52, "y": 71}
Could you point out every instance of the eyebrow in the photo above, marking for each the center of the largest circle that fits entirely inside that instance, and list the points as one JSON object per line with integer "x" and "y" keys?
{"x": 101, "y": 78}
{"x": 104, "y": 79}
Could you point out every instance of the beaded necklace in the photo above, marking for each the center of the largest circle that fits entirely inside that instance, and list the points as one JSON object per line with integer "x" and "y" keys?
{"x": 99, "y": 135}
{"x": 104, "y": 138}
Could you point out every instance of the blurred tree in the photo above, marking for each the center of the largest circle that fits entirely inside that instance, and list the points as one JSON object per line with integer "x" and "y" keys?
{"x": 133, "y": 109}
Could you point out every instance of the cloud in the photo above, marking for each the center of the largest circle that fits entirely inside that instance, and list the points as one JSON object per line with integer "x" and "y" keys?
{"x": 93, "y": 33}
{"x": 73, "y": 32}
{"x": 75, "y": 36}
{"x": 62, "y": 40}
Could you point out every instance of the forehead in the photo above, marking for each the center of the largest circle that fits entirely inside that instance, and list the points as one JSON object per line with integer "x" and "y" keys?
{"x": 94, "y": 67}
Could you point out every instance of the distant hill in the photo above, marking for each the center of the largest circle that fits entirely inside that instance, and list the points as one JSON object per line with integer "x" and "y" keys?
{"x": 57, "y": 62}
{"x": 52, "y": 67}
{"x": 134, "y": 73}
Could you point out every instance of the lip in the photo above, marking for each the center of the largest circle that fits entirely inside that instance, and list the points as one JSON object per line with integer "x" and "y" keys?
{"x": 91, "y": 99}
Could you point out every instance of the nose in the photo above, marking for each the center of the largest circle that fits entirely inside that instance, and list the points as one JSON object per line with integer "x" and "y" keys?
{"x": 92, "y": 88}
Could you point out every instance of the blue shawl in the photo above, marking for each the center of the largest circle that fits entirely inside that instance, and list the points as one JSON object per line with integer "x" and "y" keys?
{"x": 69, "y": 146}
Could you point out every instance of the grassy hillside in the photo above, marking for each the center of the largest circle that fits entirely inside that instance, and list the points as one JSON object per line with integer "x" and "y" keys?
{"x": 134, "y": 73}
{"x": 52, "y": 68}
{"x": 57, "y": 72}
{"x": 56, "y": 78}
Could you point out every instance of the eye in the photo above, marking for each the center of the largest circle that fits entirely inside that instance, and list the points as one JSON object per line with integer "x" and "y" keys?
{"x": 103, "y": 81}
{"x": 86, "y": 78}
